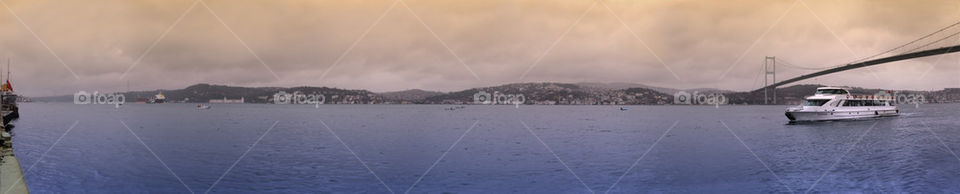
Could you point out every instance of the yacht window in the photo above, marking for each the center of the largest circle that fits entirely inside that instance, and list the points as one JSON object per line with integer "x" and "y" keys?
{"x": 864, "y": 103}
{"x": 815, "y": 102}
{"x": 853, "y": 103}
{"x": 877, "y": 103}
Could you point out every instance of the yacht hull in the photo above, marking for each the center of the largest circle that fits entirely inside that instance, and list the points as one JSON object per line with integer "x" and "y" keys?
{"x": 840, "y": 114}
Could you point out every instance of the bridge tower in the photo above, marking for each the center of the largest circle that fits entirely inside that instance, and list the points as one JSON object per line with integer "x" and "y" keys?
{"x": 769, "y": 69}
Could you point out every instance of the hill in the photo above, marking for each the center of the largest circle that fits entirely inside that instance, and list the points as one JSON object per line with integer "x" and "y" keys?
{"x": 413, "y": 95}
{"x": 203, "y": 93}
{"x": 557, "y": 93}
{"x": 527, "y": 93}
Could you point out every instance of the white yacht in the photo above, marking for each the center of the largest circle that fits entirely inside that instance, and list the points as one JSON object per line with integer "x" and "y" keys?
{"x": 834, "y": 103}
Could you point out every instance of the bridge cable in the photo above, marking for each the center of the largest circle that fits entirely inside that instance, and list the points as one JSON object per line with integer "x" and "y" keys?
{"x": 757, "y": 78}
{"x": 908, "y": 43}
{"x": 928, "y": 44}
{"x": 788, "y": 64}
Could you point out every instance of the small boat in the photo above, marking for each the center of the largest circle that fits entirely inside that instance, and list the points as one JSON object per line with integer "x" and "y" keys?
{"x": 202, "y": 107}
{"x": 159, "y": 98}
{"x": 624, "y": 109}
{"x": 834, "y": 103}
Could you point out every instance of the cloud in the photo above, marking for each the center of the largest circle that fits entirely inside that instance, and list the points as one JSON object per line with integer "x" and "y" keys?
{"x": 498, "y": 40}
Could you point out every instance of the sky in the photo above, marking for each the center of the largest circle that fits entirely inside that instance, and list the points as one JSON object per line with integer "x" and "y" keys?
{"x": 61, "y": 47}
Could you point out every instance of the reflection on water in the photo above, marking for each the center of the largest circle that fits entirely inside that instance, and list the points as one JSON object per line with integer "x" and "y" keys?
{"x": 508, "y": 151}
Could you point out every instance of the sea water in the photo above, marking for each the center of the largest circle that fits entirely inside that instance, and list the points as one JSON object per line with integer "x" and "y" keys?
{"x": 261, "y": 148}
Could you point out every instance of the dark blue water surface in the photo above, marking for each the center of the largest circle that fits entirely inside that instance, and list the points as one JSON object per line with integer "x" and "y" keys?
{"x": 526, "y": 149}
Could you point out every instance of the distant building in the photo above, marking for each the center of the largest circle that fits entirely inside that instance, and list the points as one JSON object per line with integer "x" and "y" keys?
{"x": 227, "y": 101}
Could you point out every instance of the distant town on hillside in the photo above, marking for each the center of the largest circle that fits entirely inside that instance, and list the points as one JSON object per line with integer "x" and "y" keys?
{"x": 532, "y": 94}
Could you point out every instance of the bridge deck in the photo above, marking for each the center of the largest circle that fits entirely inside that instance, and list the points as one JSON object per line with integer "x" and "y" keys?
{"x": 918, "y": 54}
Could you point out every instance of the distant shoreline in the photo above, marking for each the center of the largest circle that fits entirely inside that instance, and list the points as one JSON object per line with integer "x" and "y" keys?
{"x": 473, "y": 105}
{"x": 528, "y": 93}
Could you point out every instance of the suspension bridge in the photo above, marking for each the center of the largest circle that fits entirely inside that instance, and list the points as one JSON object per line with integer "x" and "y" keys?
{"x": 935, "y": 43}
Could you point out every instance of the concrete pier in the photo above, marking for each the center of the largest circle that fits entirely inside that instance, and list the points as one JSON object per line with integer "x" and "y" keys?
{"x": 11, "y": 175}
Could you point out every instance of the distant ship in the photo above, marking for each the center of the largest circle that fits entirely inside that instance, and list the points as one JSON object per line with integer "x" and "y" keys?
{"x": 8, "y": 100}
{"x": 834, "y": 103}
{"x": 159, "y": 98}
